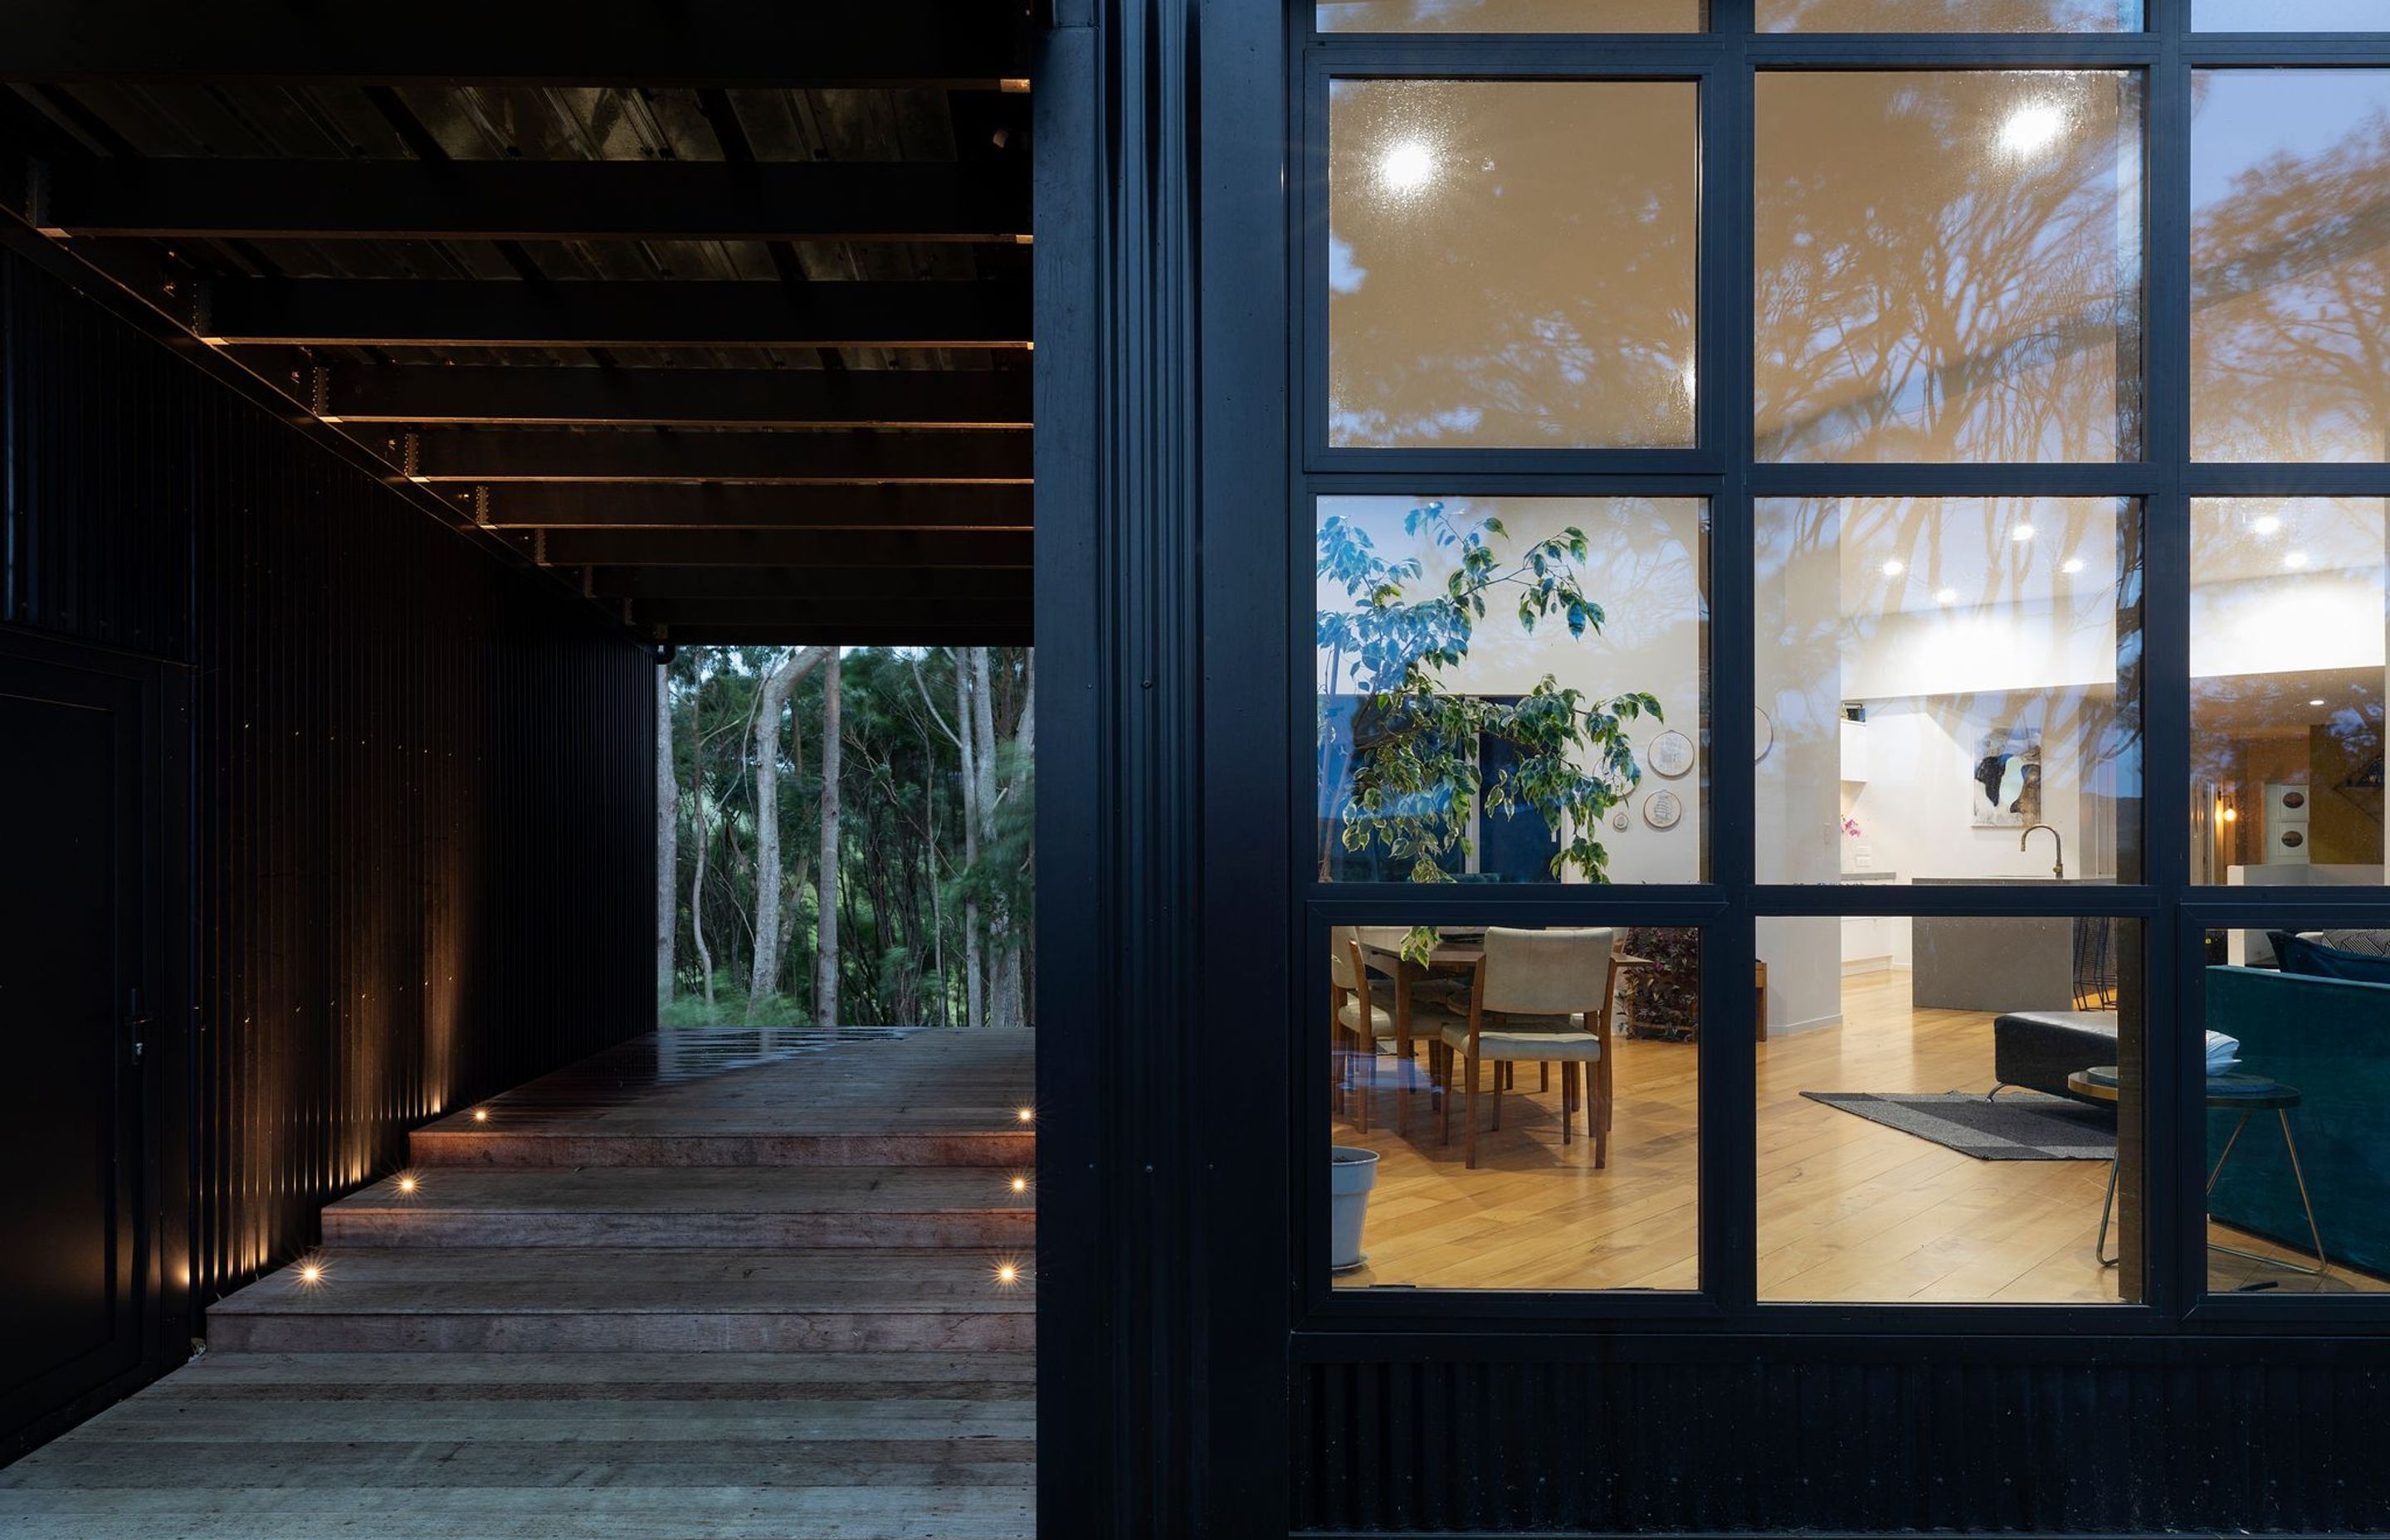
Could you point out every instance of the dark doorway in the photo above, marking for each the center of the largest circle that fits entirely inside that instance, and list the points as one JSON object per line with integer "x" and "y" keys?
{"x": 75, "y": 982}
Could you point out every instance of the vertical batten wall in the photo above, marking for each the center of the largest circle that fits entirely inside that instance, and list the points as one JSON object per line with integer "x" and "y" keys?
{"x": 422, "y": 809}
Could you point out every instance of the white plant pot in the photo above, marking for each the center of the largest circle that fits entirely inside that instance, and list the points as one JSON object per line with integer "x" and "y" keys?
{"x": 1351, "y": 1173}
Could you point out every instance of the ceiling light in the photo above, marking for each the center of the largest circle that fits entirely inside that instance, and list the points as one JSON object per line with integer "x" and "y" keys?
{"x": 1947, "y": 596}
{"x": 1406, "y": 167}
{"x": 2317, "y": 701}
{"x": 2021, "y": 534}
{"x": 2032, "y": 129}
{"x": 2268, "y": 524}
{"x": 2295, "y": 560}
{"x": 2072, "y": 564}
{"x": 1893, "y": 569}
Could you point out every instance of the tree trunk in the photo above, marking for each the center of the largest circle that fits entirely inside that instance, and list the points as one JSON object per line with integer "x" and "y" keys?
{"x": 771, "y": 704}
{"x": 1004, "y": 959}
{"x": 826, "y": 873}
{"x": 667, "y": 840}
{"x": 697, "y": 898}
{"x": 967, "y": 744}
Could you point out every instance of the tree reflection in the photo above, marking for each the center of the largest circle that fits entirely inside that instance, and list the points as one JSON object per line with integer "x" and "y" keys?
{"x": 1512, "y": 263}
{"x": 1949, "y": 267}
{"x": 2290, "y": 281}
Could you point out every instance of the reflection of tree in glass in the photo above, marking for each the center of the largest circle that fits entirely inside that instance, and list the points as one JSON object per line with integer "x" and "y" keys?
{"x": 2291, "y": 298}
{"x": 1415, "y": 778}
{"x": 1949, "y": 267}
{"x": 1948, "y": 16}
{"x": 1512, "y": 263}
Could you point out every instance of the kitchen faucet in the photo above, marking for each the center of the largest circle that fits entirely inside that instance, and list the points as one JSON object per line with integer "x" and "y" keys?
{"x": 2059, "y": 870}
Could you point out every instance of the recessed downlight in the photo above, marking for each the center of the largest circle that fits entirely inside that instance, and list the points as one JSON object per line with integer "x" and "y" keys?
{"x": 1946, "y": 596}
{"x": 2021, "y": 534}
{"x": 1892, "y": 569}
{"x": 2296, "y": 560}
{"x": 2267, "y": 524}
{"x": 2071, "y": 565}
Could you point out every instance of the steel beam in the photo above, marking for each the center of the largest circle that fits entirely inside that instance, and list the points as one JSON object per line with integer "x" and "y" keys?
{"x": 500, "y": 455}
{"x": 953, "y": 44}
{"x": 713, "y": 398}
{"x": 742, "y": 506}
{"x": 665, "y": 312}
{"x": 256, "y": 200}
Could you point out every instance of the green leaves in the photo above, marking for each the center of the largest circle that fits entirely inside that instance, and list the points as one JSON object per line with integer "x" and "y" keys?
{"x": 1415, "y": 773}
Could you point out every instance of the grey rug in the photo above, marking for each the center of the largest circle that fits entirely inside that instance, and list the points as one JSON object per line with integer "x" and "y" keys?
{"x": 2017, "y": 1126}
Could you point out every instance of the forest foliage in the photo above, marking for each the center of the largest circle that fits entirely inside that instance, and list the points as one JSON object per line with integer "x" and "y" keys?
{"x": 927, "y": 836}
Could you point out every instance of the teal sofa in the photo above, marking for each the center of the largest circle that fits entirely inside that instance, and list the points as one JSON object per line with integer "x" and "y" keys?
{"x": 2331, "y": 1039}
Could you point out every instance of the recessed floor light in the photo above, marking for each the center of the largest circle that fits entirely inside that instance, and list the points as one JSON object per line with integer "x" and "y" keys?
{"x": 2317, "y": 701}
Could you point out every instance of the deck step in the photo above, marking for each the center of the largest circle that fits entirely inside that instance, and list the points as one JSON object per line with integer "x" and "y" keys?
{"x": 570, "y": 1300}
{"x": 454, "y": 1142}
{"x": 688, "y": 1207}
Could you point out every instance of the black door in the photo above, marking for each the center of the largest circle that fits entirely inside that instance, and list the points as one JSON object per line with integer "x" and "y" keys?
{"x": 73, "y": 908}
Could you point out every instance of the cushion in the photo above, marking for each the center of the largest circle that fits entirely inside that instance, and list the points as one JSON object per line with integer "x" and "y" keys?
{"x": 1554, "y": 1047}
{"x": 2299, "y": 954}
{"x": 1382, "y": 1021}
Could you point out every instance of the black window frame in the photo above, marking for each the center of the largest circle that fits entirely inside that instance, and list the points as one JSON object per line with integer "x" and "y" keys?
{"x": 1725, "y": 61}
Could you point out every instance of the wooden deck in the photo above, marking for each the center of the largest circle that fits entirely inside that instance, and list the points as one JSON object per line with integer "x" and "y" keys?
{"x": 714, "y": 1285}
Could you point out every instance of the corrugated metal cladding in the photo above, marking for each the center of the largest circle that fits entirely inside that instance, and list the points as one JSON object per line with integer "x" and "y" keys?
{"x": 422, "y": 803}
{"x": 2283, "y": 1441}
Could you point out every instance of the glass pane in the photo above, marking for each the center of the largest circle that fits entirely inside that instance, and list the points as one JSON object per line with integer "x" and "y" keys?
{"x": 1513, "y": 690}
{"x": 1508, "y": 16}
{"x": 2288, "y": 605}
{"x": 1948, "y": 690}
{"x": 2298, "y": 1196}
{"x": 2289, "y": 16}
{"x": 1949, "y": 16}
{"x": 1948, "y": 266}
{"x": 1941, "y": 1103}
{"x": 2291, "y": 264}
{"x": 1563, "y": 1154}
{"x": 1512, "y": 263}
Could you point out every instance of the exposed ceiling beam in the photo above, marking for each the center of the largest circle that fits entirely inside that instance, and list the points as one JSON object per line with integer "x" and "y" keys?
{"x": 461, "y": 312}
{"x": 646, "y": 584}
{"x": 717, "y": 398}
{"x": 923, "y": 632}
{"x": 875, "y": 561}
{"x": 847, "y": 611}
{"x": 503, "y": 454}
{"x": 255, "y": 199}
{"x": 698, "y": 506}
{"x": 956, "y": 44}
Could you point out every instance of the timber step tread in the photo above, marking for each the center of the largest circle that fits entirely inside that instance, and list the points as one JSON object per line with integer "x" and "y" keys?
{"x": 635, "y": 1206}
{"x": 604, "y": 1282}
{"x": 566, "y": 1146}
{"x": 682, "y": 1190}
{"x": 668, "y": 1376}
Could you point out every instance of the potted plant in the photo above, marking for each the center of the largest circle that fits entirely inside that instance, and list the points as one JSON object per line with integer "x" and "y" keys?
{"x": 1411, "y": 781}
{"x": 1411, "y": 776}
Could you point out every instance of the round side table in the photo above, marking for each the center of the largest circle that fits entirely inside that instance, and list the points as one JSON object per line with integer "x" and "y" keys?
{"x": 2247, "y": 1094}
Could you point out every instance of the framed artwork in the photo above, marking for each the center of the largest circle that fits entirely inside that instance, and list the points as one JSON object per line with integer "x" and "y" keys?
{"x": 1671, "y": 754}
{"x": 2005, "y": 790}
{"x": 1661, "y": 809}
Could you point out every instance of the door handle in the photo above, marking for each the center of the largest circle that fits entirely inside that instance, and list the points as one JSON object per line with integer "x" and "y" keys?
{"x": 137, "y": 1023}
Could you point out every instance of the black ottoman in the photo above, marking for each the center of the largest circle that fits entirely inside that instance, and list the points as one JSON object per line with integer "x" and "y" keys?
{"x": 2037, "y": 1049}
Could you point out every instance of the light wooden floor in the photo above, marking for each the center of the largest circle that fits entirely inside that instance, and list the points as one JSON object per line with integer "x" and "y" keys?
{"x": 716, "y": 1285}
{"x": 1849, "y": 1211}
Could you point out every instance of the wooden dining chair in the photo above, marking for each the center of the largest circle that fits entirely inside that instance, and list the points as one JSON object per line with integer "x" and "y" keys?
{"x": 1354, "y": 1014}
{"x": 1538, "y": 997}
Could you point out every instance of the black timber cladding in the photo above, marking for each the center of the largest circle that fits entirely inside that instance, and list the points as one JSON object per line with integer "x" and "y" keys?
{"x": 422, "y": 808}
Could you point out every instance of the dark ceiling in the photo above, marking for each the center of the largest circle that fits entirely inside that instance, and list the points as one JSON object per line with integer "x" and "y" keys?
{"x": 719, "y": 311}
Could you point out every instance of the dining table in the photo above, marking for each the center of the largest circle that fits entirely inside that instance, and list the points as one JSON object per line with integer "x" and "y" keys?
{"x": 1456, "y": 954}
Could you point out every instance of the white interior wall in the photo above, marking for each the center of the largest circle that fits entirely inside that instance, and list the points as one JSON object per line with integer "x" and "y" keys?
{"x": 1642, "y": 567}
